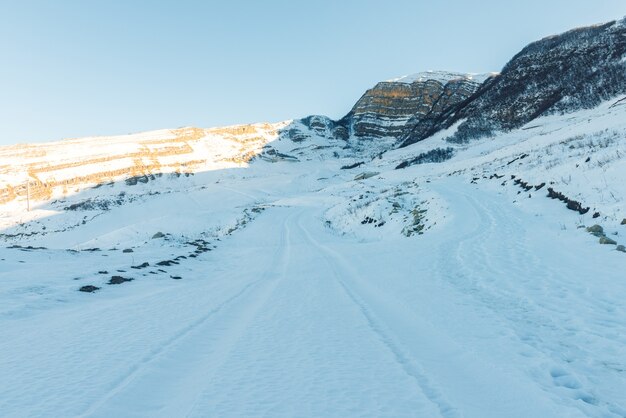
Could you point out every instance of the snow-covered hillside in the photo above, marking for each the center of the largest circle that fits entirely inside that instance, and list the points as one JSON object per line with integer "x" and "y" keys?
{"x": 45, "y": 171}
{"x": 288, "y": 286}
{"x": 297, "y": 269}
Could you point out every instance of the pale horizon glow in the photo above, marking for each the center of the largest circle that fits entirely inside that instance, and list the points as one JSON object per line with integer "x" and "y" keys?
{"x": 75, "y": 69}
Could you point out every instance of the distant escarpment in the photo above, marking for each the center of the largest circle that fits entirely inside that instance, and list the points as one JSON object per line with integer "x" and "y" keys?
{"x": 40, "y": 172}
{"x": 559, "y": 74}
{"x": 391, "y": 107}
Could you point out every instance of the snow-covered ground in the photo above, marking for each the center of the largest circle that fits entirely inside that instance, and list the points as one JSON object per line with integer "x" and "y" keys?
{"x": 282, "y": 288}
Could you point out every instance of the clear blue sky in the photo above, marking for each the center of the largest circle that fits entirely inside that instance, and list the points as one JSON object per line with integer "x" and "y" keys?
{"x": 80, "y": 68}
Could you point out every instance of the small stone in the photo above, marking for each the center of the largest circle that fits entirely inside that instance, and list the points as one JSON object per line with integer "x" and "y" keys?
{"x": 623, "y": 221}
{"x": 606, "y": 240}
{"x": 596, "y": 230}
{"x": 158, "y": 235}
{"x": 621, "y": 248}
{"x": 88, "y": 289}
{"x": 167, "y": 263}
{"x": 127, "y": 250}
{"x": 119, "y": 280}
{"x": 141, "y": 266}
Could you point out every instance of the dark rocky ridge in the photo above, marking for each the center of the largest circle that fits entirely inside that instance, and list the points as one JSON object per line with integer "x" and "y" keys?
{"x": 563, "y": 73}
{"x": 390, "y": 107}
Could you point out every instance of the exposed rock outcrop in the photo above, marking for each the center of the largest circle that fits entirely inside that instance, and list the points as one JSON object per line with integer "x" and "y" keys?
{"x": 315, "y": 125}
{"x": 563, "y": 73}
{"x": 392, "y": 107}
{"x": 43, "y": 171}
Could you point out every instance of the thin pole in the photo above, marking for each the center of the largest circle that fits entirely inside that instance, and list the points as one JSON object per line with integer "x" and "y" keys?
{"x": 27, "y": 195}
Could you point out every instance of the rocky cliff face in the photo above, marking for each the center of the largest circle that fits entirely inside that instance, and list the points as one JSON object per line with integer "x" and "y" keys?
{"x": 391, "y": 107}
{"x": 54, "y": 170}
{"x": 575, "y": 70}
{"x": 50, "y": 170}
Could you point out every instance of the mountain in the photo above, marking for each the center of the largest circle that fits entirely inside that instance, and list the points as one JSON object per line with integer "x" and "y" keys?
{"x": 454, "y": 246}
{"x": 392, "y": 107}
{"x": 52, "y": 170}
{"x": 387, "y": 112}
{"x": 376, "y": 122}
{"x": 558, "y": 74}
{"x": 561, "y": 74}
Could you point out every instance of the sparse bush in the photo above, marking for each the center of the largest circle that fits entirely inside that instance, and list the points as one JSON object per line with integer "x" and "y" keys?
{"x": 436, "y": 155}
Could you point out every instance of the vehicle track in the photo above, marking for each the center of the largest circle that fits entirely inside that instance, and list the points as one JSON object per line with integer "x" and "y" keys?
{"x": 244, "y": 303}
{"x": 341, "y": 268}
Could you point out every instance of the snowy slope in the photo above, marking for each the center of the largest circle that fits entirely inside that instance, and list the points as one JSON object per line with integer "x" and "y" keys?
{"x": 57, "y": 169}
{"x": 579, "y": 154}
{"x": 287, "y": 286}
{"x": 311, "y": 268}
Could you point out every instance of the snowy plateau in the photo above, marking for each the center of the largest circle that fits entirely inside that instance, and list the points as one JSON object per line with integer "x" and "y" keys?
{"x": 293, "y": 270}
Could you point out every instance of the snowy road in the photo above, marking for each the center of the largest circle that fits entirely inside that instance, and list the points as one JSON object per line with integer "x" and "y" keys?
{"x": 496, "y": 314}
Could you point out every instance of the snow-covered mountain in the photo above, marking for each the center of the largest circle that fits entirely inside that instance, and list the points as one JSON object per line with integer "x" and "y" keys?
{"x": 52, "y": 170}
{"x": 453, "y": 246}
{"x": 391, "y": 108}
{"x": 559, "y": 74}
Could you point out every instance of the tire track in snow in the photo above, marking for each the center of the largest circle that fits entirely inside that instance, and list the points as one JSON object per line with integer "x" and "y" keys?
{"x": 507, "y": 291}
{"x": 281, "y": 254}
{"x": 404, "y": 360}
